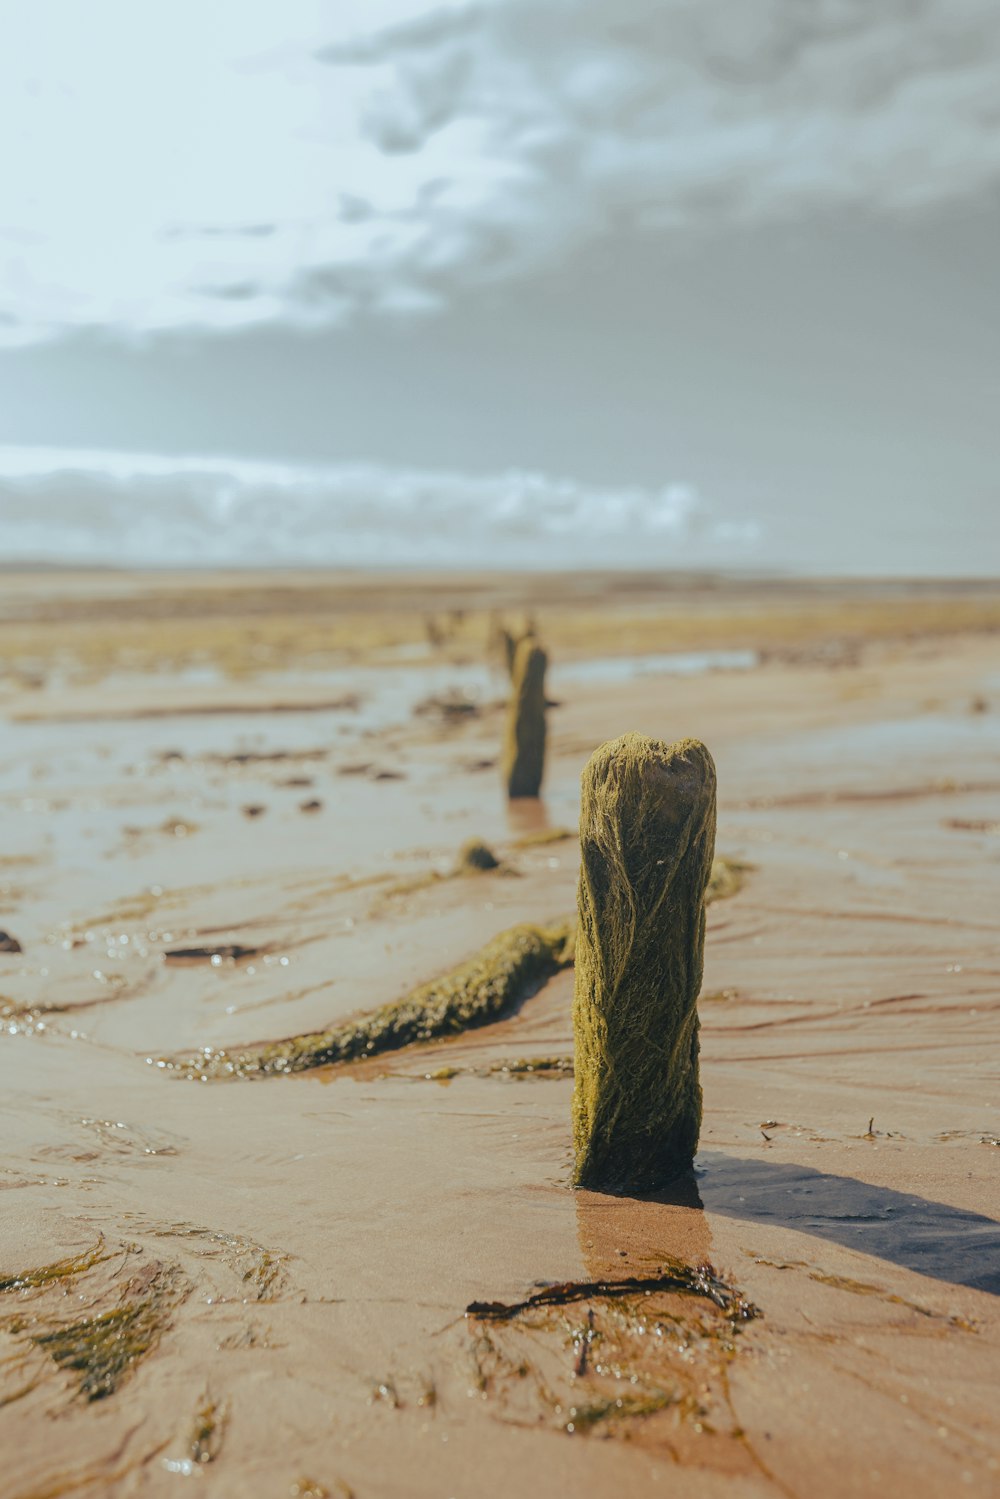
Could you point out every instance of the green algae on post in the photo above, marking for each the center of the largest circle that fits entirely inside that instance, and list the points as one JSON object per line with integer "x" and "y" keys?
{"x": 647, "y": 838}
{"x": 524, "y": 742}
{"x": 506, "y": 970}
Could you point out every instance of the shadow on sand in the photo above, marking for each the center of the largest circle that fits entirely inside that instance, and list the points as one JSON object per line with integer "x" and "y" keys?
{"x": 947, "y": 1243}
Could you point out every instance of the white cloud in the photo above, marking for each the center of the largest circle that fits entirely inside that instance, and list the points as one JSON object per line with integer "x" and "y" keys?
{"x": 218, "y": 165}
{"x": 150, "y": 509}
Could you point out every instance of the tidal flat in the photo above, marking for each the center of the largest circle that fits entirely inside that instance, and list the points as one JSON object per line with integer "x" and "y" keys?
{"x": 233, "y": 812}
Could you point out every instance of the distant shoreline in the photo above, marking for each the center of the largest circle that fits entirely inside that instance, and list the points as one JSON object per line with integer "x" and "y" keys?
{"x": 624, "y": 577}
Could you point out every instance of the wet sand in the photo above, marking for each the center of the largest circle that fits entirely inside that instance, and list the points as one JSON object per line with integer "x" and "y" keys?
{"x": 294, "y": 1255}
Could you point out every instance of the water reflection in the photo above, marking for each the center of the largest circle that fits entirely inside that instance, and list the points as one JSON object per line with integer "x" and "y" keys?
{"x": 622, "y": 1236}
{"x": 527, "y": 815}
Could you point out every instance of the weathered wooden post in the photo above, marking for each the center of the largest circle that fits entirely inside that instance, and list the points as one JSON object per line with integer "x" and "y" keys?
{"x": 524, "y": 743}
{"x": 647, "y": 838}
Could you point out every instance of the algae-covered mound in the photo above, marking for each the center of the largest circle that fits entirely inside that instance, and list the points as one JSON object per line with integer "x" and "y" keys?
{"x": 506, "y": 970}
{"x": 647, "y": 838}
{"x": 524, "y": 741}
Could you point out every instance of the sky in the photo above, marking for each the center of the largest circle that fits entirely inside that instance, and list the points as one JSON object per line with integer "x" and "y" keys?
{"x": 513, "y": 282}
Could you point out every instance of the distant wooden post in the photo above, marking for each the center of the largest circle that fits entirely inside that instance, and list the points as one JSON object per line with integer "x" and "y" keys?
{"x": 509, "y": 643}
{"x": 524, "y": 743}
{"x": 647, "y": 839}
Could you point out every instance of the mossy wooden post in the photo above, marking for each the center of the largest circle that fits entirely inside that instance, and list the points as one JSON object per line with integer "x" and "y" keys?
{"x": 524, "y": 743}
{"x": 647, "y": 837}
{"x": 509, "y": 644}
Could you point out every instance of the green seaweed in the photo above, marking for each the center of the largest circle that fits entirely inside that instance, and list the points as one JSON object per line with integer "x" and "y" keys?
{"x": 612, "y": 1353}
{"x": 519, "y": 1067}
{"x": 207, "y": 1431}
{"x": 584, "y": 1418}
{"x": 524, "y": 741}
{"x": 535, "y": 1067}
{"x": 261, "y": 1271}
{"x": 647, "y": 833}
{"x": 505, "y": 971}
{"x": 45, "y": 1275}
{"x": 104, "y": 1349}
{"x": 443, "y": 1074}
{"x": 675, "y": 1275}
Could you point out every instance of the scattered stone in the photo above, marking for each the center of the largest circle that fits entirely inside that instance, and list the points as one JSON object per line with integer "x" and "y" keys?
{"x": 475, "y": 856}
{"x": 449, "y": 707}
{"x": 231, "y": 952}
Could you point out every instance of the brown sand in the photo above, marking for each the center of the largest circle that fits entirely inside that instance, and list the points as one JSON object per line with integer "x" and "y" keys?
{"x": 315, "y": 1240}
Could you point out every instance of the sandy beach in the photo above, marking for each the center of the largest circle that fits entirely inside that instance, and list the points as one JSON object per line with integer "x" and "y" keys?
{"x": 231, "y": 811}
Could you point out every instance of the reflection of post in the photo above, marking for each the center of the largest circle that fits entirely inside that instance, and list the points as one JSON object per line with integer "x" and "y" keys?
{"x": 524, "y": 745}
{"x": 527, "y": 815}
{"x": 622, "y": 1236}
{"x": 647, "y": 837}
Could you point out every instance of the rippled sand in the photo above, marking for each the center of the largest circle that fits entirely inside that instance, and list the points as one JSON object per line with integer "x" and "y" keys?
{"x": 284, "y": 1265}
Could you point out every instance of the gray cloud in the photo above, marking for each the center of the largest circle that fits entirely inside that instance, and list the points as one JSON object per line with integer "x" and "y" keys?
{"x": 690, "y": 114}
{"x": 148, "y": 509}
{"x": 713, "y": 85}
{"x": 485, "y": 141}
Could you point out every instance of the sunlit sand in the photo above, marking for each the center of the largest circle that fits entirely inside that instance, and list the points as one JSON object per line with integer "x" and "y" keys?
{"x": 238, "y": 812}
